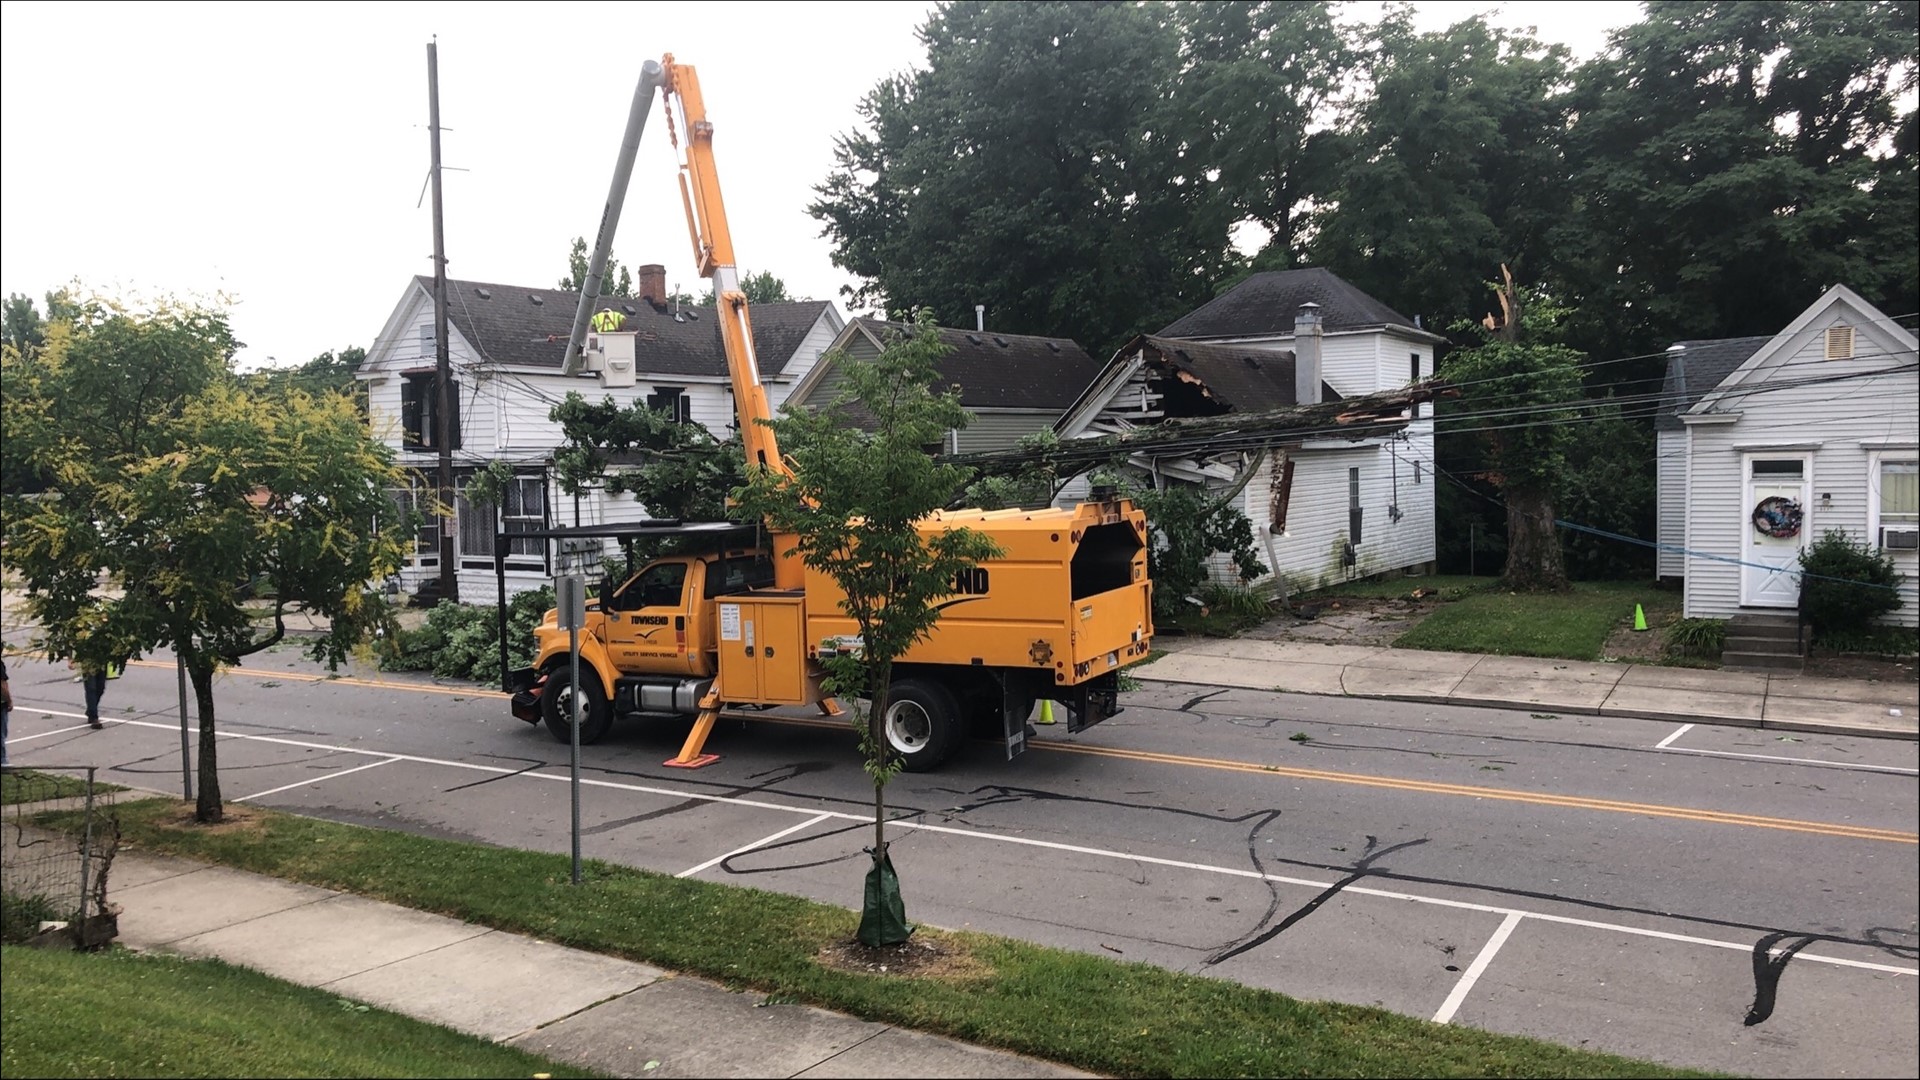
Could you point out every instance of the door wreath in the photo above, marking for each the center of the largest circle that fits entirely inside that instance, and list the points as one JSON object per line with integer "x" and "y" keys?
{"x": 1778, "y": 517}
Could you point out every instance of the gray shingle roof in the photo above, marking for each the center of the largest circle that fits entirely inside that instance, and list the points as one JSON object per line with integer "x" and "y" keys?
{"x": 507, "y": 326}
{"x": 1241, "y": 378}
{"x": 1694, "y": 368}
{"x": 1267, "y": 302}
{"x": 1008, "y": 371}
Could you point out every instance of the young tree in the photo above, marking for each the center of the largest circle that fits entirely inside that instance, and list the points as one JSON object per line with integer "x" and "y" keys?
{"x": 616, "y": 281}
{"x": 854, "y": 506}
{"x": 175, "y": 490}
{"x": 761, "y": 288}
{"x": 1519, "y": 394}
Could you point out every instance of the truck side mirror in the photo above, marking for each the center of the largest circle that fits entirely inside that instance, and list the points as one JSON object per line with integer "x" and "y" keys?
{"x": 607, "y": 585}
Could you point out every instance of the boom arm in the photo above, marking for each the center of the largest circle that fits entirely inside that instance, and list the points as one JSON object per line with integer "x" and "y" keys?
{"x": 713, "y": 254}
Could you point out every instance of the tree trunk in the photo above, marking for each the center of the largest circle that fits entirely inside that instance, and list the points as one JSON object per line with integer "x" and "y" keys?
{"x": 1533, "y": 546}
{"x": 208, "y": 809}
{"x": 880, "y": 678}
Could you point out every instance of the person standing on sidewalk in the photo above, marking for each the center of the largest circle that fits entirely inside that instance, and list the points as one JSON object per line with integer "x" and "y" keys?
{"x": 6, "y": 712}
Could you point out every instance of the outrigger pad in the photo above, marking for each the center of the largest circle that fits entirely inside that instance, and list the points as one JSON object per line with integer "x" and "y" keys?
{"x": 700, "y": 762}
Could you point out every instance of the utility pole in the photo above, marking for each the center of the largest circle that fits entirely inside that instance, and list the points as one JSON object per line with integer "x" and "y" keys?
{"x": 445, "y": 394}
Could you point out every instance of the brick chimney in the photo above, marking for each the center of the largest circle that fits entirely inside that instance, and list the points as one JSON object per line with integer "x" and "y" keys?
{"x": 653, "y": 284}
{"x": 1307, "y": 339}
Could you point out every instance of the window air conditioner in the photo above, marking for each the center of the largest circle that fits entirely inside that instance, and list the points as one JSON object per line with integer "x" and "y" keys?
{"x": 1900, "y": 538}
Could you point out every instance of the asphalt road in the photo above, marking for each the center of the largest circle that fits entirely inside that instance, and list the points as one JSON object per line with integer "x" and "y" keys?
{"x": 1715, "y": 897}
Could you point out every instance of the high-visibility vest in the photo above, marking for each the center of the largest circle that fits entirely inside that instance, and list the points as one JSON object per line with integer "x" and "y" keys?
{"x": 608, "y": 321}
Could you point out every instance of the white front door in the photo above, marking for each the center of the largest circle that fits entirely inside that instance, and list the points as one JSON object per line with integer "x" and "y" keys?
{"x": 1775, "y": 528}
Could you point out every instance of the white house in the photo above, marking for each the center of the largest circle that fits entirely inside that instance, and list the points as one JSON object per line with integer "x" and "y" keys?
{"x": 1013, "y": 384}
{"x": 1324, "y": 510}
{"x": 506, "y": 344}
{"x": 1766, "y": 443}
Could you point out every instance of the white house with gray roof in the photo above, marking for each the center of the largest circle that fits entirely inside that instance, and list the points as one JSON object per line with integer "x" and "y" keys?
{"x": 1324, "y": 510}
{"x": 1765, "y": 443}
{"x": 506, "y": 344}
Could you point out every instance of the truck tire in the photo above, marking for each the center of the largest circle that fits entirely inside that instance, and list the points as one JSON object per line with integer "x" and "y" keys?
{"x": 923, "y": 724}
{"x": 553, "y": 706}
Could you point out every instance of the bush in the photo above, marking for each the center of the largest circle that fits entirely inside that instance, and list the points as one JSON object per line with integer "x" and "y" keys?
{"x": 461, "y": 641}
{"x": 1696, "y": 638}
{"x": 1846, "y": 586}
{"x": 1872, "y": 641}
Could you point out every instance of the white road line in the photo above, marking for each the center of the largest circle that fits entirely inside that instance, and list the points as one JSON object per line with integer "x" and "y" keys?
{"x": 1663, "y": 743}
{"x": 762, "y": 842}
{"x": 1796, "y": 760}
{"x": 1472, "y": 975}
{"x": 56, "y": 731}
{"x": 1226, "y": 871}
{"x": 315, "y": 780}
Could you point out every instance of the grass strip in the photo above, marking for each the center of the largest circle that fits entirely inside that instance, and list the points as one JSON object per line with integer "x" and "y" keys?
{"x": 1123, "y": 1019}
{"x": 1573, "y": 625}
{"x": 118, "y": 1013}
{"x": 26, "y": 785}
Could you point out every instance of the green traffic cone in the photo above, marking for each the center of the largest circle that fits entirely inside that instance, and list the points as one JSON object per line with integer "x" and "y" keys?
{"x": 1046, "y": 712}
{"x": 1639, "y": 618}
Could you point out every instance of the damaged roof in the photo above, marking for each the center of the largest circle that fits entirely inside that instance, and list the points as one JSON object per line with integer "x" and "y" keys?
{"x": 1265, "y": 304}
{"x": 517, "y": 326}
{"x": 1240, "y": 378}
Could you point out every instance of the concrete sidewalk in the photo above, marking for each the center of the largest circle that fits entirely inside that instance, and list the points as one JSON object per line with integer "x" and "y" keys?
{"x": 582, "y": 1008}
{"x": 1684, "y": 695}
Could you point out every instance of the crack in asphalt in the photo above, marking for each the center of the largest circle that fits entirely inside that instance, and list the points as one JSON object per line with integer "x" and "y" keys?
{"x": 1362, "y": 868}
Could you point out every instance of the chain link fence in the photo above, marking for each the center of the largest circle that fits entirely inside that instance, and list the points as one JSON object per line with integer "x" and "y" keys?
{"x": 54, "y": 871}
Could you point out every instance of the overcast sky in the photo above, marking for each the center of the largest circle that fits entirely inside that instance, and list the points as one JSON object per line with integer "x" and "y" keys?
{"x": 274, "y": 154}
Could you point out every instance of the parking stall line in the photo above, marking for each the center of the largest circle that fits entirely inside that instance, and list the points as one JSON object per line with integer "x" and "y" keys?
{"x": 1683, "y": 729}
{"x": 1025, "y": 841}
{"x": 762, "y": 842}
{"x": 1895, "y": 769}
{"x": 315, "y": 780}
{"x": 1472, "y": 974}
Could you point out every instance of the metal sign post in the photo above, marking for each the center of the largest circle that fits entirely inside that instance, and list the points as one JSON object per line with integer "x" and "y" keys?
{"x": 186, "y": 769}
{"x": 570, "y": 594}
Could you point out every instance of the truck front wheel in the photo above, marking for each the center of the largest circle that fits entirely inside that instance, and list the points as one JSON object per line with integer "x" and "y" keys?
{"x": 923, "y": 725}
{"x": 557, "y": 698}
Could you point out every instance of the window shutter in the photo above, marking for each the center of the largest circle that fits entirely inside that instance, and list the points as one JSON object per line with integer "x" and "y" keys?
{"x": 453, "y": 416}
{"x": 410, "y": 412}
{"x": 1839, "y": 342}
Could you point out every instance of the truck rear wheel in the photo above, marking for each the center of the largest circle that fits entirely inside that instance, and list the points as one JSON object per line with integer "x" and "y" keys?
{"x": 922, "y": 726}
{"x": 556, "y": 699}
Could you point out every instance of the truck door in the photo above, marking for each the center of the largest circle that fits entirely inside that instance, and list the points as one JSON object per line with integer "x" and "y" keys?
{"x": 647, "y": 624}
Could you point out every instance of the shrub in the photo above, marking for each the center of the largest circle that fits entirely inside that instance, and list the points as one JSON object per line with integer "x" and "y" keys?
{"x": 1846, "y": 586}
{"x": 1872, "y": 641}
{"x": 1696, "y": 638}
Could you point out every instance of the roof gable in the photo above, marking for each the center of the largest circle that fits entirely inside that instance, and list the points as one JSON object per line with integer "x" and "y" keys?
{"x": 1694, "y": 368}
{"x": 517, "y": 326}
{"x": 1193, "y": 379}
{"x": 1759, "y": 366}
{"x": 1266, "y": 303}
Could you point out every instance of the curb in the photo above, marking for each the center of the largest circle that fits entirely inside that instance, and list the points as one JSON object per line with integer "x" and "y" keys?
{"x": 1813, "y": 726}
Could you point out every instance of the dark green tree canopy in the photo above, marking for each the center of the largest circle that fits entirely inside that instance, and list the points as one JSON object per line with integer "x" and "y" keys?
{"x": 616, "y": 281}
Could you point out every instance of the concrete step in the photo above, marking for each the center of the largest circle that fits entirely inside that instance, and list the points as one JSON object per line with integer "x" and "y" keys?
{"x": 1754, "y": 661}
{"x": 1779, "y": 646}
{"x": 1761, "y": 624}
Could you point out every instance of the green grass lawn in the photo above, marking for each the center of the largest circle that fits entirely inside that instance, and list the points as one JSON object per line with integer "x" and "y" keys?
{"x": 118, "y": 1013}
{"x": 26, "y": 785}
{"x": 1572, "y": 625}
{"x": 1095, "y": 1012}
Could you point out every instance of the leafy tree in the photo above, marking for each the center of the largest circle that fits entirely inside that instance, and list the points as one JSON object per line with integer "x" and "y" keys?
{"x": 1453, "y": 168}
{"x": 1519, "y": 395}
{"x": 761, "y": 288}
{"x": 178, "y": 490}
{"x": 616, "y": 281}
{"x": 851, "y": 512}
{"x": 21, "y": 325}
{"x": 1258, "y": 75}
{"x": 1733, "y": 160}
{"x": 1034, "y": 165}
{"x": 328, "y": 373}
{"x": 675, "y": 470}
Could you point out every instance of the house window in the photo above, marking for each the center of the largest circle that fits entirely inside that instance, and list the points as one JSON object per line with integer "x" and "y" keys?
{"x": 1839, "y": 342}
{"x": 426, "y": 537}
{"x": 673, "y": 401}
{"x": 1353, "y": 507}
{"x": 427, "y": 341}
{"x": 525, "y": 511}
{"x": 1416, "y": 367}
{"x": 420, "y": 410}
{"x": 1897, "y": 504}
